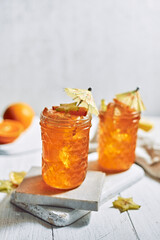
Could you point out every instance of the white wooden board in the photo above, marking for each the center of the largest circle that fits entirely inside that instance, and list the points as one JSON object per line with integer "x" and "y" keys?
{"x": 33, "y": 190}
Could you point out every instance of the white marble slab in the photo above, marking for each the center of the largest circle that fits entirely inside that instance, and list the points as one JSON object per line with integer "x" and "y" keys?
{"x": 57, "y": 216}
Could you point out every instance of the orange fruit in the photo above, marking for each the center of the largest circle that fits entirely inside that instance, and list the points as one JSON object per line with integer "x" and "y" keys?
{"x": 20, "y": 112}
{"x": 10, "y": 130}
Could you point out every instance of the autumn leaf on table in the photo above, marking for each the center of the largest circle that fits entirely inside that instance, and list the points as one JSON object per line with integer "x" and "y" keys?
{"x": 124, "y": 204}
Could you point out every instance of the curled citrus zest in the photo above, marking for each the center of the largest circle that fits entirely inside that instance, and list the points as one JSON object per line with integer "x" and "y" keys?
{"x": 68, "y": 104}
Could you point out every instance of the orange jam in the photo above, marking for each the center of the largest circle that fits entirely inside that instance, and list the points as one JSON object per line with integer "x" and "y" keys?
{"x": 118, "y": 127}
{"x": 65, "y": 142}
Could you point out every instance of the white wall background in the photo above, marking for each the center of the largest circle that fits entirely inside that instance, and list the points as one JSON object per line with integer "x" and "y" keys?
{"x": 109, "y": 45}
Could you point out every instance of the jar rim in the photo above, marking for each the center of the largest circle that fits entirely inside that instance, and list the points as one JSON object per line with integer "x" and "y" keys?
{"x": 65, "y": 123}
{"x": 132, "y": 115}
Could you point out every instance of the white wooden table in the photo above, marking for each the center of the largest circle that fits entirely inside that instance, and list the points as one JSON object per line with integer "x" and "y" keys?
{"x": 107, "y": 223}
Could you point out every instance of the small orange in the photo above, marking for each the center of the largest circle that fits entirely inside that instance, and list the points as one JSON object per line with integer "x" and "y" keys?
{"x": 10, "y": 130}
{"x": 21, "y": 112}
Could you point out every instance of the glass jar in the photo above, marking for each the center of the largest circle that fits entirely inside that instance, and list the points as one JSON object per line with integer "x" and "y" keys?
{"x": 117, "y": 138}
{"x": 65, "y": 143}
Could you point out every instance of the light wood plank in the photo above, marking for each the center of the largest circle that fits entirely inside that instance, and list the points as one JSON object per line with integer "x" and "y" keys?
{"x": 18, "y": 225}
{"x": 147, "y": 219}
{"x": 107, "y": 223}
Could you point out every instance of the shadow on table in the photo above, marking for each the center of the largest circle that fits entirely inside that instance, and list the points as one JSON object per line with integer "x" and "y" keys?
{"x": 80, "y": 223}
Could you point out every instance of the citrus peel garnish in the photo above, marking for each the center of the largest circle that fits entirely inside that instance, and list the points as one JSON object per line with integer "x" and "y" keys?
{"x": 145, "y": 125}
{"x": 66, "y": 107}
{"x": 124, "y": 204}
{"x": 69, "y": 105}
{"x": 71, "y": 108}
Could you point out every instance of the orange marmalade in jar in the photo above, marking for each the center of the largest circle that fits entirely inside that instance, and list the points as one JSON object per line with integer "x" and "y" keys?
{"x": 118, "y": 126}
{"x": 65, "y": 142}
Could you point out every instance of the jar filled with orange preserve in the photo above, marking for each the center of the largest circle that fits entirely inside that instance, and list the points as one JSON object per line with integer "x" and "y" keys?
{"x": 65, "y": 142}
{"x": 118, "y": 125}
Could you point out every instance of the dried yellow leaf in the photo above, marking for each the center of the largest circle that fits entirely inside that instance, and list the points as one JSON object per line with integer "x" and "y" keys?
{"x": 124, "y": 204}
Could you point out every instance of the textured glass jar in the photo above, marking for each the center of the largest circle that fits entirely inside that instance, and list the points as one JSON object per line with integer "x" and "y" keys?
{"x": 65, "y": 145}
{"x": 117, "y": 141}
